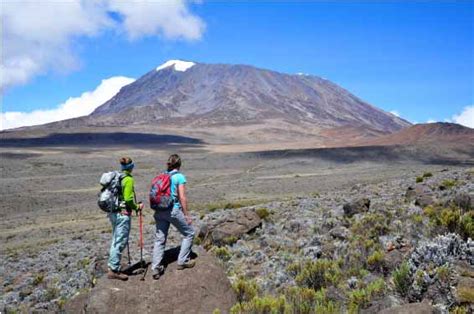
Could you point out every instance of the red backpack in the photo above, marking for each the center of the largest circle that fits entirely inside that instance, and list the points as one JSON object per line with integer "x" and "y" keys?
{"x": 160, "y": 192}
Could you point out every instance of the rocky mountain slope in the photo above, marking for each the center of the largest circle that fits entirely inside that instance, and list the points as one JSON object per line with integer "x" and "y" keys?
{"x": 220, "y": 94}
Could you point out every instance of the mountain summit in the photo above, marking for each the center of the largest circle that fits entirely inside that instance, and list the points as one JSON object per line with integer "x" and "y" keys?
{"x": 221, "y": 94}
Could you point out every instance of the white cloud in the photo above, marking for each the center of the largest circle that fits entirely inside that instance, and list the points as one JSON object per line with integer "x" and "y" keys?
{"x": 466, "y": 117}
{"x": 172, "y": 19}
{"x": 431, "y": 121}
{"x": 38, "y": 36}
{"x": 395, "y": 113}
{"x": 71, "y": 108}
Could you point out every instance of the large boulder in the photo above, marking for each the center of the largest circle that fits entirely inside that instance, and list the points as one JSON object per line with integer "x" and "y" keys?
{"x": 201, "y": 289}
{"x": 357, "y": 206}
{"x": 411, "y": 308}
{"x": 229, "y": 227}
{"x": 422, "y": 194}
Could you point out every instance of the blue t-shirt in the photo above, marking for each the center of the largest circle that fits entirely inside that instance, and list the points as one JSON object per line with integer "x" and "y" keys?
{"x": 177, "y": 178}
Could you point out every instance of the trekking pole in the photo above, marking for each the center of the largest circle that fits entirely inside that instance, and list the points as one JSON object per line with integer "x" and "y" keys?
{"x": 128, "y": 251}
{"x": 142, "y": 262}
{"x": 140, "y": 219}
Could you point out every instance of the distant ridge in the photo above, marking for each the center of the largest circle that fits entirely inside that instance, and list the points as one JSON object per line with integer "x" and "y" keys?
{"x": 440, "y": 132}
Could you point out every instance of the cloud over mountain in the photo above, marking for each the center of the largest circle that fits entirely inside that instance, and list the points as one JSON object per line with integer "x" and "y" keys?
{"x": 466, "y": 117}
{"x": 39, "y": 36}
{"x": 71, "y": 108}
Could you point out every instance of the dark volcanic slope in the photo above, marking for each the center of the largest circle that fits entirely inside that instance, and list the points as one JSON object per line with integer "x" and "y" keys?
{"x": 210, "y": 94}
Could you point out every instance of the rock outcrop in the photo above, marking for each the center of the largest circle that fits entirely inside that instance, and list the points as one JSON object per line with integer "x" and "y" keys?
{"x": 357, "y": 206}
{"x": 411, "y": 308}
{"x": 201, "y": 289}
{"x": 229, "y": 227}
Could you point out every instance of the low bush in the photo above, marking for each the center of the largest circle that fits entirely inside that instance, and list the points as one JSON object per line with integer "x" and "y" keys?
{"x": 293, "y": 300}
{"x": 263, "y": 305}
{"x": 417, "y": 218}
{"x": 318, "y": 274}
{"x": 443, "y": 273}
{"x": 449, "y": 184}
{"x": 375, "y": 260}
{"x": 360, "y": 298}
{"x": 467, "y": 225}
{"x": 452, "y": 219}
{"x": 263, "y": 213}
{"x": 419, "y": 179}
{"x": 459, "y": 310}
{"x": 229, "y": 240}
{"x": 245, "y": 290}
{"x": 427, "y": 175}
{"x": 38, "y": 279}
{"x": 222, "y": 252}
{"x": 372, "y": 225}
{"x": 402, "y": 279}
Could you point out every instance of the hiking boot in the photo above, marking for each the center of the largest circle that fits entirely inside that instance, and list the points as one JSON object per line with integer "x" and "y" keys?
{"x": 158, "y": 272}
{"x": 188, "y": 264}
{"x": 116, "y": 275}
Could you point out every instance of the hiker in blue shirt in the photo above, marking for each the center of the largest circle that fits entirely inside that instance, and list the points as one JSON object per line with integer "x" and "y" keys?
{"x": 178, "y": 216}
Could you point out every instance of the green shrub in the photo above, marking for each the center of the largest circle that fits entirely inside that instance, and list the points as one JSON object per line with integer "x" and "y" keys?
{"x": 61, "y": 302}
{"x": 371, "y": 226}
{"x": 376, "y": 287}
{"x": 459, "y": 310}
{"x": 417, "y": 218}
{"x": 450, "y": 218}
{"x": 427, "y": 175}
{"x": 467, "y": 225}
{"x": 402, "y": 278}
{"x": 419, "y": 179}
{"x": 230, "y": 240}
{"x": 443, "y": 273}
{"x": 375, "y": 260}
{"x": 360, "y": 298}
{"x": 222, "y": 252}
{"x": 263, "y": 305}
{"x": 197, "y": 241}
{"x": 83, "y": 263}
{"x": 448, "y": 184}
{"x": 306, "y": 300}
{"x": 318, "y": 274}
{"x": 51, "y": 293}
{"x": 38, "y": 279}
{"x": 245, "y": 290}
{"x": 263, "y": 213}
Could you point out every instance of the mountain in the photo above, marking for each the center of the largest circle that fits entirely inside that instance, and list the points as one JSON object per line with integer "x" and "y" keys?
{"x": 221, "y": 94}
{"x": 233, "y": 104}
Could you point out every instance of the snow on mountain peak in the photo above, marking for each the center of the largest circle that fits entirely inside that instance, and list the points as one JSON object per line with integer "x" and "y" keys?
{"x": 178, "y": 65}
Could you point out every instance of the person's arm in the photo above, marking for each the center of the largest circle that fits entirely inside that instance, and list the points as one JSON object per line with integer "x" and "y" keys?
{"x": 184, "y": 202}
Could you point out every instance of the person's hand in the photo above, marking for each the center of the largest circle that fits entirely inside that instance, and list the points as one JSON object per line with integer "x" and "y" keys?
{"x": 139, "y": 207}
{"x": 189, "y": 220}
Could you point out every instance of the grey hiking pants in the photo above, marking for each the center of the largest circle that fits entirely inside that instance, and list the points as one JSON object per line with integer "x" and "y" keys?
{"x": 163, "y": 219}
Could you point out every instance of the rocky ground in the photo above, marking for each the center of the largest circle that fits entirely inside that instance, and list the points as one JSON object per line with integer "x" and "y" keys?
{"x": 368, "y": 248}
{"x": 358, "y": 236}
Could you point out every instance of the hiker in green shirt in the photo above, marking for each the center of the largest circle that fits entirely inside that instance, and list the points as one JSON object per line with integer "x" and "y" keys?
{"x": 121, "y": 220}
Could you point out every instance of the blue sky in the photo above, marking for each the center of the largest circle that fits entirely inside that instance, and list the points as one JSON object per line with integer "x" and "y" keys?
{"x": 415, "y": 58}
